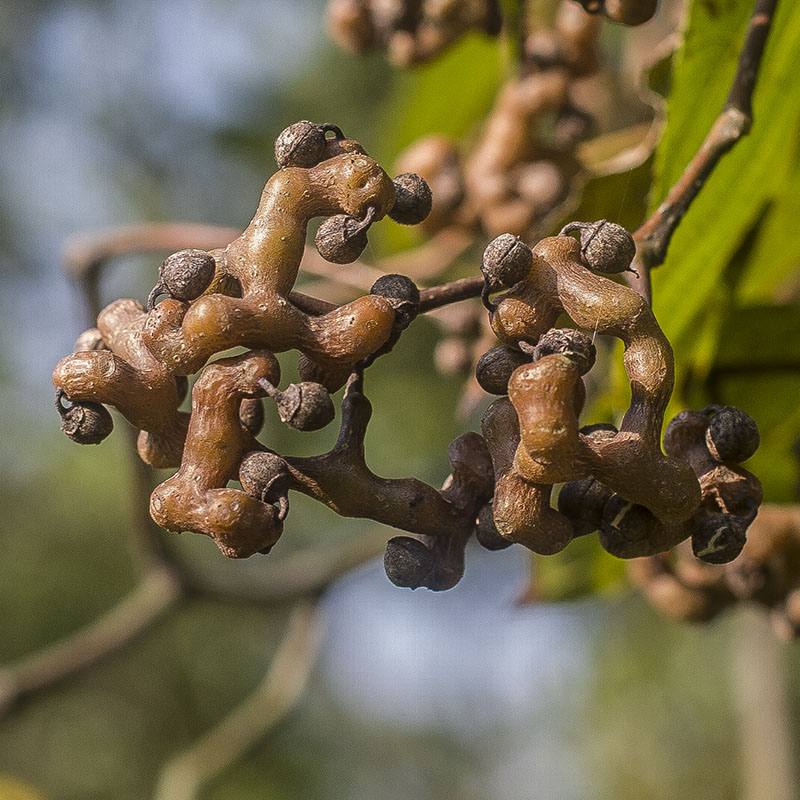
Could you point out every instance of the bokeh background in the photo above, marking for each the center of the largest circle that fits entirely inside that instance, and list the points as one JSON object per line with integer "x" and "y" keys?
{"x": 117, "y": 112}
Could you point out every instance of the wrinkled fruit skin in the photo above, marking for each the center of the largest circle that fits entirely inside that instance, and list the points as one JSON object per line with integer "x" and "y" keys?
{"x": 506, "y": 261}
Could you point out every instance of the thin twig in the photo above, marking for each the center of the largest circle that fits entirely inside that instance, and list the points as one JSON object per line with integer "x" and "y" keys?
{"x": 305, "y": 573}
{"x": 184, "y": 775}
{"x": 735, "y": 120}
{"x": 141, "y": 609}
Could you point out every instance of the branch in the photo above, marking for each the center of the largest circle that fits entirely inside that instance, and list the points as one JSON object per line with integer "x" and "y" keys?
{"x": 653, "y": 237}
{"x": 184, "y": 775}
{"x": 156, "y": 594}
{"x": 305, "y": 573}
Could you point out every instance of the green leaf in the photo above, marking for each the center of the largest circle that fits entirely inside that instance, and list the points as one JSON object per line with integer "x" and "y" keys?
{"x": 746, "y": 181}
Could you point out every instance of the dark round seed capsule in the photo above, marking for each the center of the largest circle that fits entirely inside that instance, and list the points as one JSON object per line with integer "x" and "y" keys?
{"x": 85, "y": 422}
{"x": 413, "y": 199}
{"x": 569, "y": 342}
{"x": 300, "y": 145}
{"x": 495, "y": 367}
{"x": 264, "y": 476}
{"x": 407, "y": 562}
{"x": 486, "y": 531}
{"x": 402, "y": 293}
{"x": 251, "y": 415}
{"x": 341, "y": 239}
{"x": 187, "y": 273}
{"x": 732, "y": 435}
{"x": 606, "y": 247}
{"x": 506, "y": 260}
{"x": 626, "y": 528}
{"x": 582, "y": 502}
{"x": 306, "y": 406}
{"x": 718, "y": 539}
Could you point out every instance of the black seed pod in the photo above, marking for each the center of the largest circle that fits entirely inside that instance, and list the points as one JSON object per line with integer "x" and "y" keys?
{"x": 84, "y": 422}
{"x": 574, "y": 344}
{"x": 300, "y": 145}
{"x": 341, "y": 239}
{"x": 251, "y": 415}
{"x": 306, "y": 406}
{"x": 625, "y": 526}
{"x": 606, "y": 247}
{"x": 413, "y": 199}
{"x": 582, "y": 502}
{"x": 184, "y": 275}
{"x": 732, "y": 435}
{"x": 486, "y": 531}
{"x": 718, "y": 539}
{"x": 266, "y": 477}
{"x": 495, "y": 367}
{"x": 506, "y": 261}
{"x": 402, "y": 293}
{"x": 407, "y": 562}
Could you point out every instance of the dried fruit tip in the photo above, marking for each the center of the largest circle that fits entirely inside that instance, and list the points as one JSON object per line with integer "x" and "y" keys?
{"x": 184, "y": 275}
{"x": 266, "y": 477}
{"x": 506, "y": 260}
{"x": 495, "y": 366}
{"x": 403, "y": 295}
{"x": 306, "y": 406}
{"x": 341, "y": 239}
{"x": 407, "y": 562}
{"x": 84, "y": 422}
{"x": 605, "y": 246}
{"x": 413, "y": 199}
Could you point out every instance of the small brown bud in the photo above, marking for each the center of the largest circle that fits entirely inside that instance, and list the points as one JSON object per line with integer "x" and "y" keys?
{"x": 88, "y": 341}
{"x": 732, "y": 436}
{"x": 413, "y": 199}
{"x": 495, "y": 367}
{"x": 84, "y": 422}
{"x": 341, "y": 239}
{"x": 506, "y": 260}
{"x": 582, "y": 502}
{"x": 306, "y": 406}
{"x": 300, "y": 145}
{"x": 251, "y": 415}
{"x": 407, "y": 562}
{"x": 718, "y": 539}
{"x": 606, "y": 246}
{"x": 185, "y": 275}
{"x": 402, "y": 293}
{"x": 266, "y": 477}
{"x": 576, "y": 345}
{"x": 486, "y": 531}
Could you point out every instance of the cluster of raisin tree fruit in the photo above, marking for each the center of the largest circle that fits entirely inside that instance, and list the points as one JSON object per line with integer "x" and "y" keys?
{"x": 618, "y": 482}
{"x": 536, "y": 474}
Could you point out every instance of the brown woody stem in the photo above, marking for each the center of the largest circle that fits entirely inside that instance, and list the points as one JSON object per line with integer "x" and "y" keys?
{"x": 158, "y": 592}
